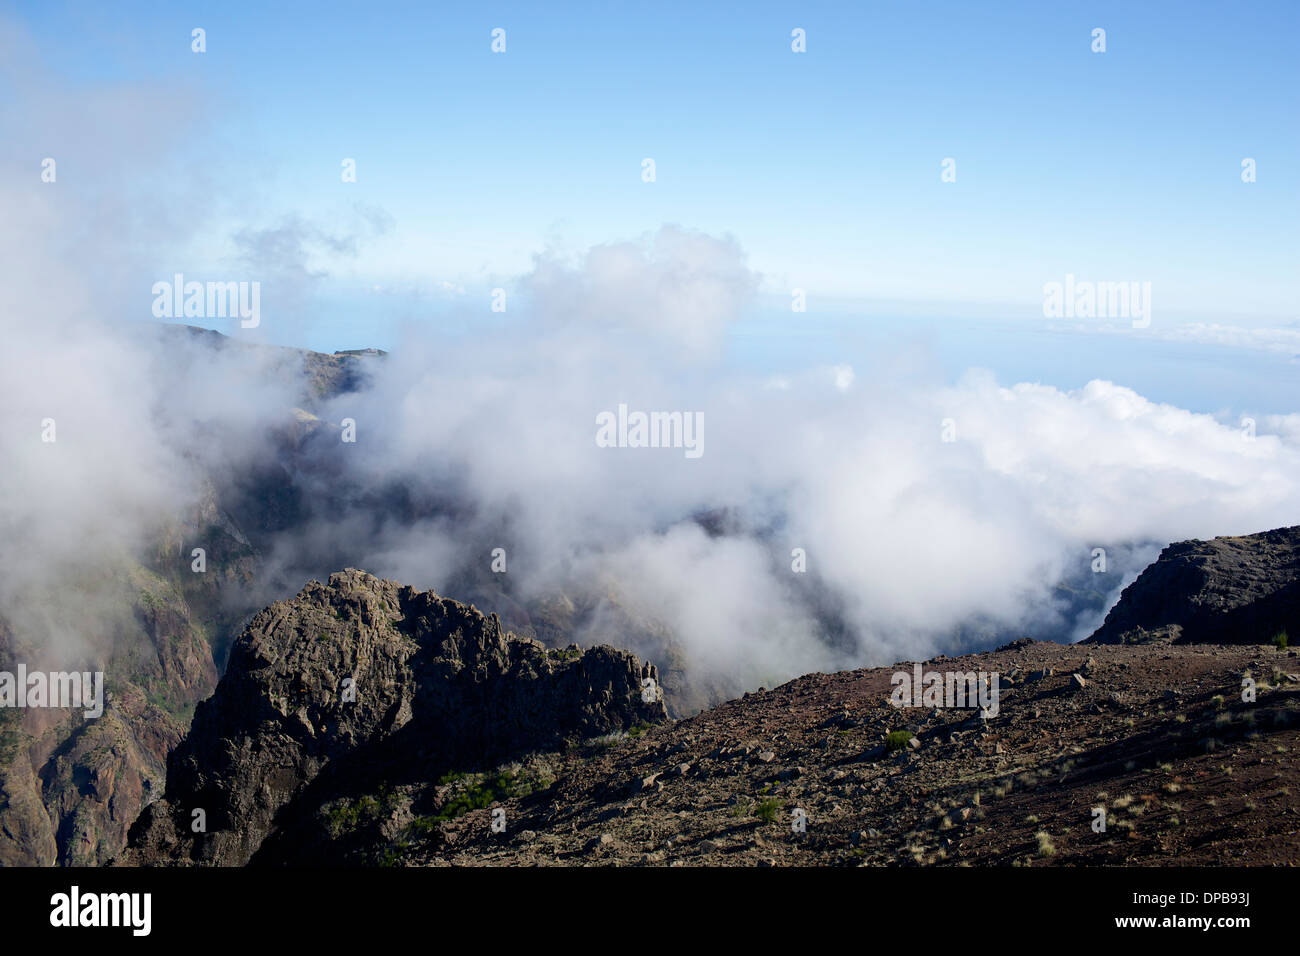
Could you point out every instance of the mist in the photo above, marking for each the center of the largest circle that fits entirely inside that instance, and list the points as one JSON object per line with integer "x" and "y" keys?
{"x": 841, "y": 515}
{"x": 913, "y": 544}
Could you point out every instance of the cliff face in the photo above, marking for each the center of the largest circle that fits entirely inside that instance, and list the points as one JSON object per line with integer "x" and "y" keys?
{"x": 1230, "y": 590}
{"x": 364, "y": 722}
{"x": 70, "y": 787}
{"x": 364, "y": 686}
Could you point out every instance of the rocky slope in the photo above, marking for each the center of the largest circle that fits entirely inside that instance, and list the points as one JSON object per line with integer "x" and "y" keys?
{"x": 467, "y": 746}
{"x": 1230, "y": 590}
{"x": 70, "y": 788}
{"x": 1159, "y": 737}
{"x": 358, "y": 695}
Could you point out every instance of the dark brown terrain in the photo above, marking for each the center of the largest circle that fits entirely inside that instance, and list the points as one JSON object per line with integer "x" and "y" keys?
{"x": 1159, "y": 736}
{"x": 354, "y": 691}
{"x": 475, "y": 747}
{"x": 1229, "y": 590}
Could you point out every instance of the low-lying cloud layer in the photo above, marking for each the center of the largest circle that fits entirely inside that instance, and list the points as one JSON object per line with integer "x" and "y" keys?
{"x": 912, "y": 538}
{"x": 928, "y": 515}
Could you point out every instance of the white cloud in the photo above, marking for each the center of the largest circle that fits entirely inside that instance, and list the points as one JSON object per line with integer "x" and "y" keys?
{"x": 909, "y": 538}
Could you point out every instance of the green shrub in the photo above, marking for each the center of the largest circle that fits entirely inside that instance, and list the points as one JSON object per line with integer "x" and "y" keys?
{"x": 897, "y": 740}
{"x": 348, "y": 816}
{"x": 479, "y": 791}
{"x": 1280, "y": 640}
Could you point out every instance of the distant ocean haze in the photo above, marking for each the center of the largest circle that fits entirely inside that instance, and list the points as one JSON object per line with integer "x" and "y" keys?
{"x": 1197, "y": 376}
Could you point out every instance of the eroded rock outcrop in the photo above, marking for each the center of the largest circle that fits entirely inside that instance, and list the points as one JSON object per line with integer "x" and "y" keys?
{"x": 71, "y": 786}
{"x": 1229, "y": 590}
{"x": 363, "y": 684}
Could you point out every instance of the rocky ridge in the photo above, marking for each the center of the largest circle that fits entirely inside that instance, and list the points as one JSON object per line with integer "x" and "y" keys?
{"x": 1229, "y": 590}
{"x": 1190, "y": 751}
{"x": 70, "y": 788}
{"x": 363, "y": 687}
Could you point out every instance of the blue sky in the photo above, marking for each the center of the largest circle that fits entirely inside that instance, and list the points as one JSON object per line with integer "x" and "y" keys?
{"x": 825, "y": 166}
{"x": 819, "y": 171}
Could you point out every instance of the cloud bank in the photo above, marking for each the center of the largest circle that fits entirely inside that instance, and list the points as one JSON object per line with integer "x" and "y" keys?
{"x": 851, "y": 514}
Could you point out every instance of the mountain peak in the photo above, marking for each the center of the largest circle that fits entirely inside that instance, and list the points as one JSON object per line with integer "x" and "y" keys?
{"x": 362, "y": 683}
{"x": 1228, "y": 590}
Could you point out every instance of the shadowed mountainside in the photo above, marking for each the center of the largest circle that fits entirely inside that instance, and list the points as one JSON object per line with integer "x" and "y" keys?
{"x": 70, "y": 788}
{"x": 357, "y": 687}
{"x": 1229, "y": 590}
{"x": 1188, "y": 765}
